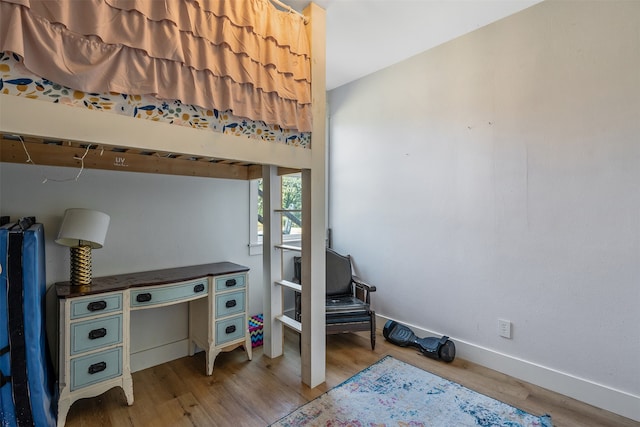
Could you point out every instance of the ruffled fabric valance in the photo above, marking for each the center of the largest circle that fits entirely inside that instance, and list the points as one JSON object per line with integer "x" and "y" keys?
{"x": 239, "y": 55}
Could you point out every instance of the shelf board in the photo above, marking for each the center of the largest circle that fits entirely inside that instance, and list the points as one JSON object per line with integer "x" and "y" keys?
{"x": 288, "y": 210}
{"x": 291, "y": 285}
{"x": 288, "y": 247}
{"x": 290, "y": 323}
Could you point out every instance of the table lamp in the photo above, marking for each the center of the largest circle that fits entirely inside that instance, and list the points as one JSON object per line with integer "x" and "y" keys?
{"x": 82, "y": 230}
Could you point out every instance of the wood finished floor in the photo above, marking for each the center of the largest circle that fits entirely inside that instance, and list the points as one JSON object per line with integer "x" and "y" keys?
{"x": 256, "y": 393}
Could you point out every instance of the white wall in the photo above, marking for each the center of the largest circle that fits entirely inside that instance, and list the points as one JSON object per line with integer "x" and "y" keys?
{"x": 498, "y": 176}
{"x": 157, "y": 221}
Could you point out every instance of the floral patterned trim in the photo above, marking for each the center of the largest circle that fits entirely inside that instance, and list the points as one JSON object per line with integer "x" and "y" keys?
{"x": 16, "y": 80}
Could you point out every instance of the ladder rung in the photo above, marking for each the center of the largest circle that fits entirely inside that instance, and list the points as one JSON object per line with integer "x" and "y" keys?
{"x": 290, "y": 323}
{"x": 288, "y": 210}
{"x": 291, "y": 285}
{"x": 288, "y": 247}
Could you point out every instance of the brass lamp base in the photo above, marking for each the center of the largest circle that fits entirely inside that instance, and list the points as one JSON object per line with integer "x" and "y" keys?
{"x": 81, "y": 265}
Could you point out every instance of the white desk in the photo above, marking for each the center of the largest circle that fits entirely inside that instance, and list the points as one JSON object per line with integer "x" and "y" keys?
{"x": 94, "y": 334}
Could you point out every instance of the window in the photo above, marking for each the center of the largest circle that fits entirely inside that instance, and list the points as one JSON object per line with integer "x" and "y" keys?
{"x": 291, "y": 188}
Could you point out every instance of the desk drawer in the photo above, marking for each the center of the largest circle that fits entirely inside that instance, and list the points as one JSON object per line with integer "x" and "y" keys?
{"x": 96, "y": 305}
{"x": 228, "y": 283}
{"x": 229, "y": 303}
{"x": 230, "y": 329}
{"x": 87, "y": 370}
{"x": 158, "y": 295}
{"x": 94, "y": 334}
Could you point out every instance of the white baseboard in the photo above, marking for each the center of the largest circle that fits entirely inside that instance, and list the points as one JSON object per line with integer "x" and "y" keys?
{"x": 155, "y": 356}
{"x": 601, "y": 396}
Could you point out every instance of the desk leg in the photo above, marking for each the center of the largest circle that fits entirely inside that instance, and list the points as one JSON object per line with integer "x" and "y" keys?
{"x": 63, "y": 409}
{"x": 127, "y": 387}
{"x": 247, "y": 345}
{"x": 211, "y": 358}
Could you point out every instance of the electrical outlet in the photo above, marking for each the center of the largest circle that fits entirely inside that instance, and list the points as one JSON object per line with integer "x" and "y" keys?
{"x": 504, "y": 328}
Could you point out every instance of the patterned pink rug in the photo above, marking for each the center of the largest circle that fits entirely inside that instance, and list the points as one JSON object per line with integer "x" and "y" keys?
{"x": 394, "y": 393}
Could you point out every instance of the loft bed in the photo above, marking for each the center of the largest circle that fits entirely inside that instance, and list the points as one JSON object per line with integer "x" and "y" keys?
{"x": 50, "y": 133}
{"x": 17, "y": 80}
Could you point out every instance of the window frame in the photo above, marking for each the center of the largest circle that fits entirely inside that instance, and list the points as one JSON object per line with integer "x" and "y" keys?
{"x": 255, "y": 238}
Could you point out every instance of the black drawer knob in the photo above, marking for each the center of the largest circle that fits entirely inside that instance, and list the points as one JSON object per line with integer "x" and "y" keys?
{"x": 230, "y": 329}
{"x": 230, "y": 303}
{"x": 198, "y": 288}
{"x": 96, "y": 305}
{"x": 97, "y": 367}
{"x": 97, "y": 333}
{"x": 143, "y": 297}
{"x": 231, "y": 282}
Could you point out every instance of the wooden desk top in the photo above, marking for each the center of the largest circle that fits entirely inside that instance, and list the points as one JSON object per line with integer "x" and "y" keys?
{"x": 147, "y": 278}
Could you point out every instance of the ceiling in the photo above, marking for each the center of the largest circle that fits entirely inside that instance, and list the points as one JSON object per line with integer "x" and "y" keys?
{"x": 364, "y": 36}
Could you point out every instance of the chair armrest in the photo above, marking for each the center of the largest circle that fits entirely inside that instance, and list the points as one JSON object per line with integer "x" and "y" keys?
{"x": 363, "y": 285}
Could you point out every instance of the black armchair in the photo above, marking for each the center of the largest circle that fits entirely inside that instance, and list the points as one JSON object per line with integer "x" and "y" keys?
{"x": 348, "y": 298}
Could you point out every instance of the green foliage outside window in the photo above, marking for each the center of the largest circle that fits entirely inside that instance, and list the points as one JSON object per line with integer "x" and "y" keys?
{"x": 291, "y": 199}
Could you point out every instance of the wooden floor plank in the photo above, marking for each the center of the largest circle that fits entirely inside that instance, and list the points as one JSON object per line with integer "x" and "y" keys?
{"x": 243, "y": 393}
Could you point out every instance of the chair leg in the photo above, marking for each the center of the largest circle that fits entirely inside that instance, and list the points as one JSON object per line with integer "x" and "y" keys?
{"x": 373, "y": 331}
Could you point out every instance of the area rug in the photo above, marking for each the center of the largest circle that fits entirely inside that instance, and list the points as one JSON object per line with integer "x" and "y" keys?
{"x": 394, "y": 393}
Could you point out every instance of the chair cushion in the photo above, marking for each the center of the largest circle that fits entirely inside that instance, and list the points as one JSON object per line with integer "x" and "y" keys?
{"x": 345, "y": 304}
{"x": 349, "y": 319}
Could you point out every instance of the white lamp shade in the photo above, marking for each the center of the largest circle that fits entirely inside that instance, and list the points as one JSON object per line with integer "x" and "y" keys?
{"x": 84, "y": 225}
